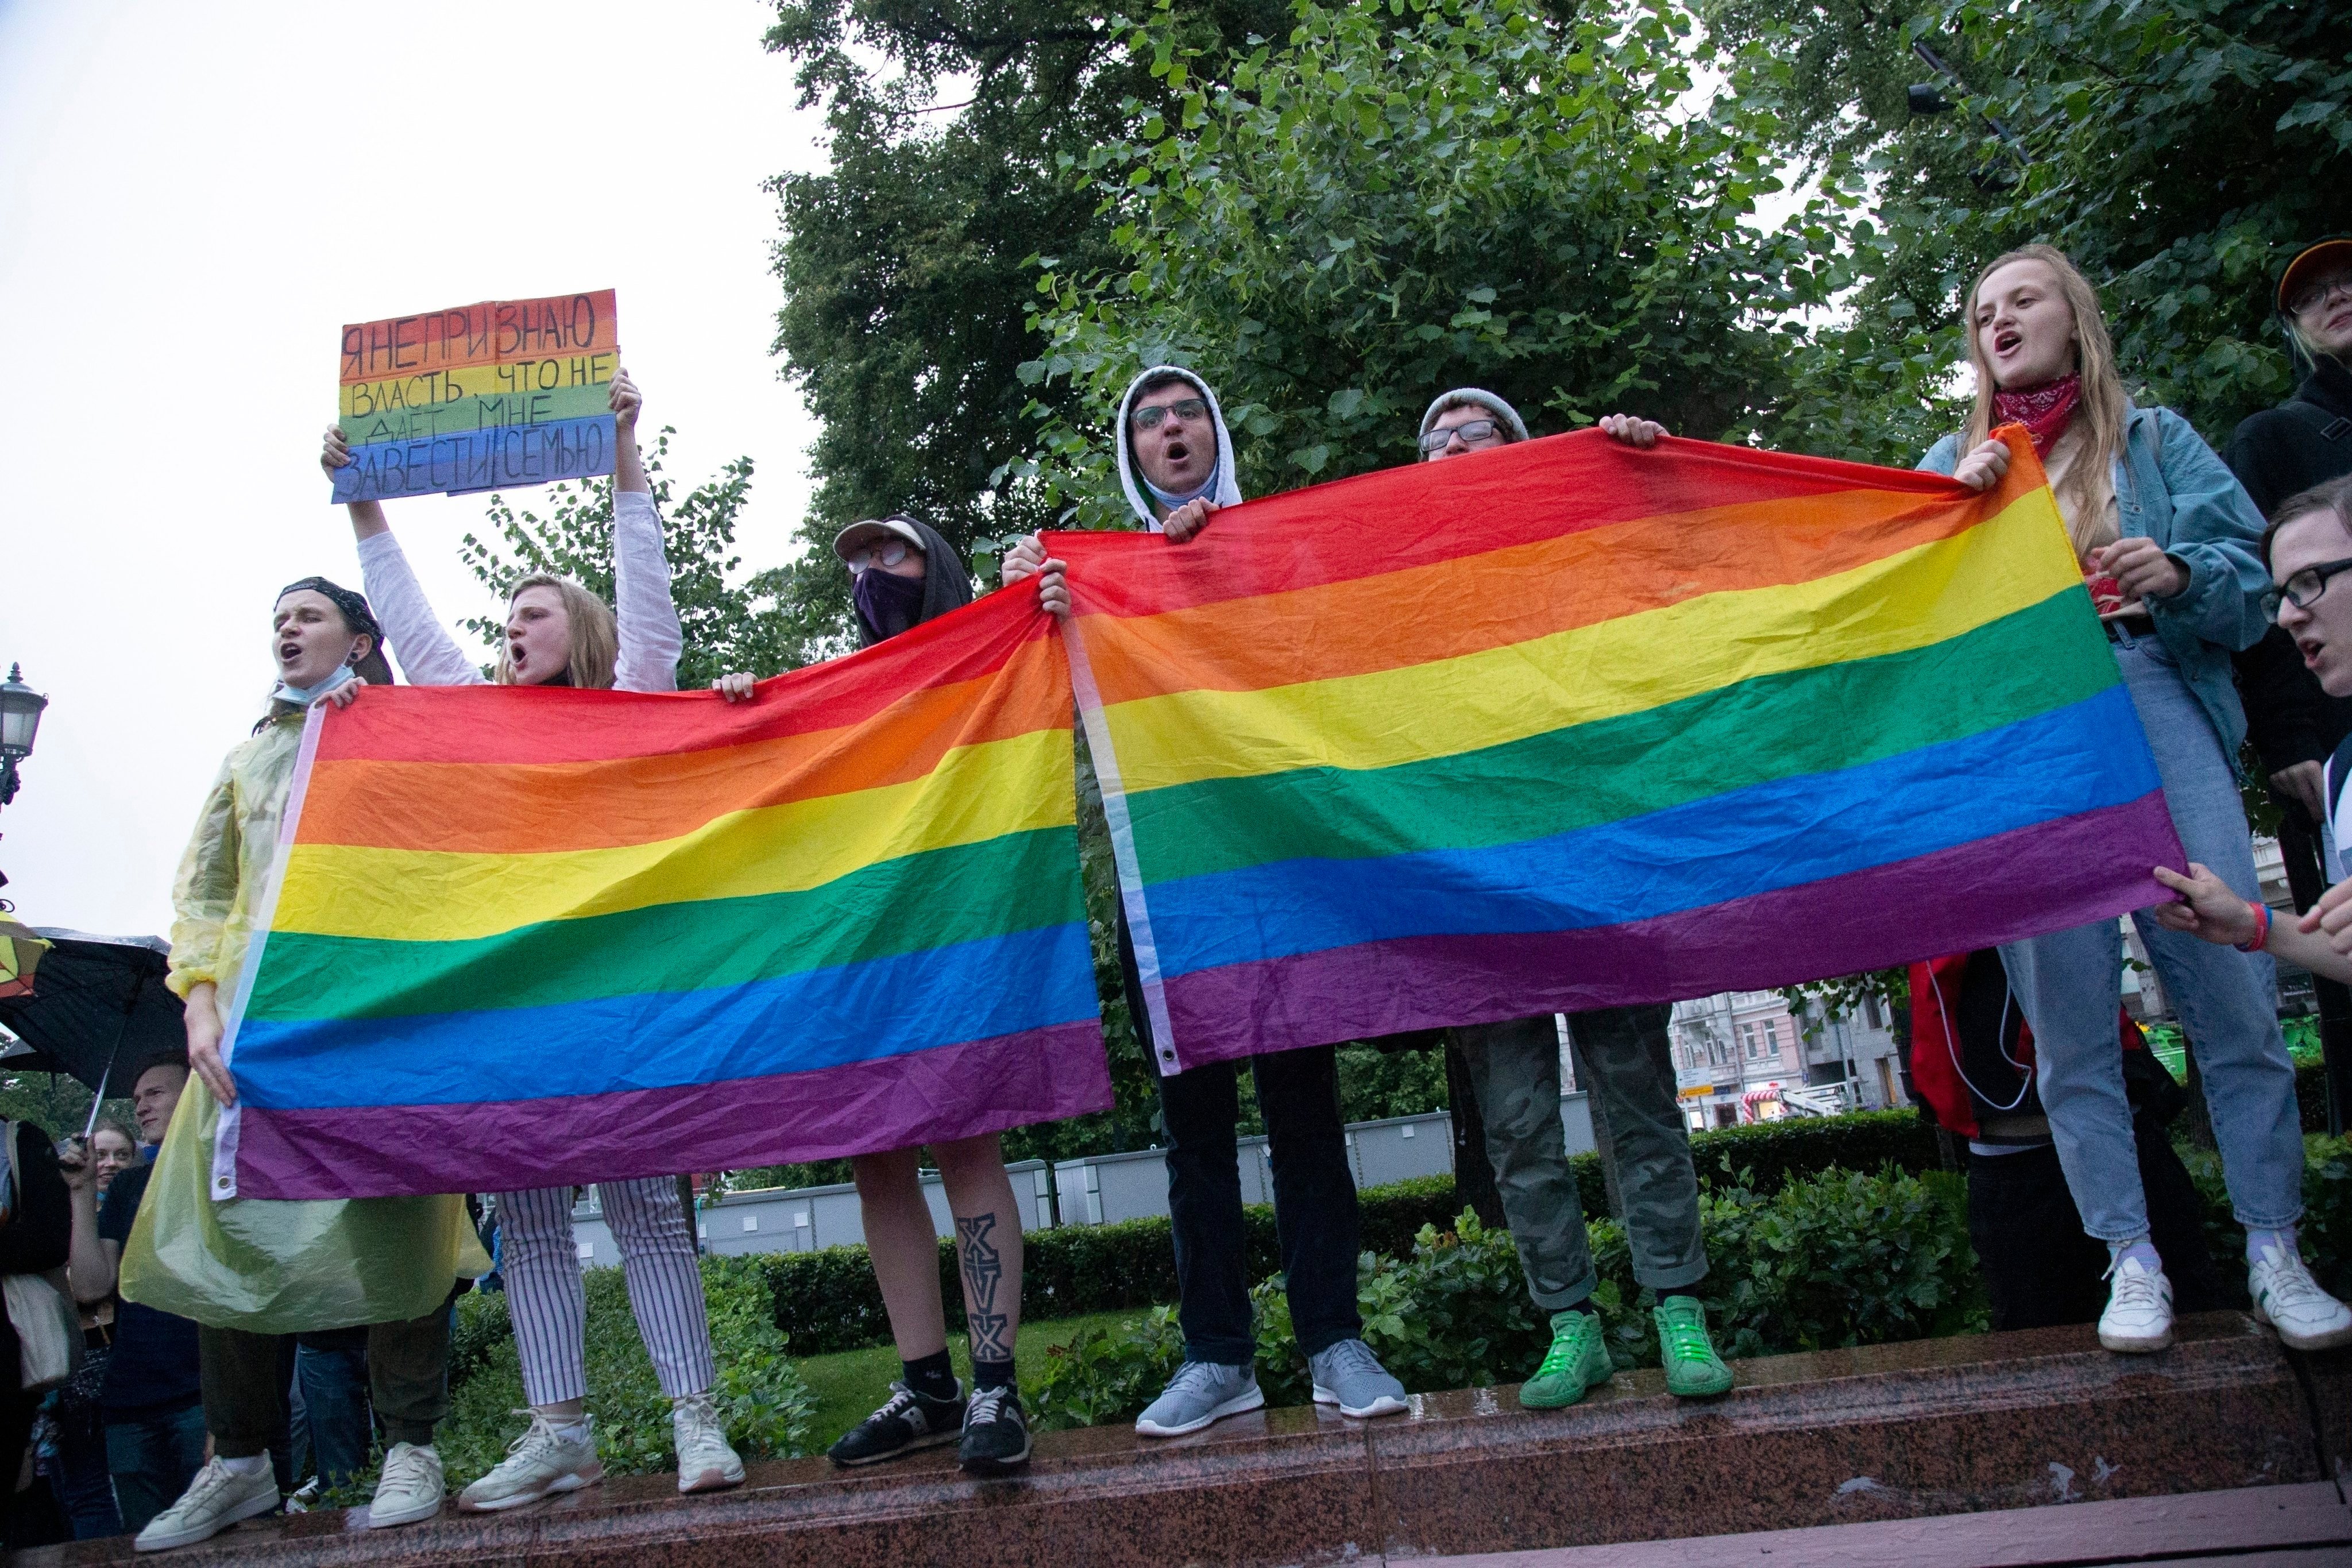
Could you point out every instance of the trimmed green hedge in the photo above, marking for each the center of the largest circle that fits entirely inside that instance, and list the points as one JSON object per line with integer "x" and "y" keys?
{"x": 827, "y": 1300}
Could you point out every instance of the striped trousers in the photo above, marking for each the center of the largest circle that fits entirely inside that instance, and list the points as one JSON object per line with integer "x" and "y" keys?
{"x": 550, "y": 1309}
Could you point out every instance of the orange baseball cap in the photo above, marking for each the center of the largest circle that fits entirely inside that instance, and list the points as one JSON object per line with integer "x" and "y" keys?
{"x": 2332, "y": 251}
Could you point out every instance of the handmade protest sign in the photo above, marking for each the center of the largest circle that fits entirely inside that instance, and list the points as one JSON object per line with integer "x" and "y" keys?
{"x": 494, "y": 395}
{"x": 1571, "y": 725}
{"x": 526, "y": 937}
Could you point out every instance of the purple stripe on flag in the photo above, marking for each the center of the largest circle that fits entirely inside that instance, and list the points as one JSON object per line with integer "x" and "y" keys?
{"x": 951, "y": 1091}
{"x": 2030, "y": 881}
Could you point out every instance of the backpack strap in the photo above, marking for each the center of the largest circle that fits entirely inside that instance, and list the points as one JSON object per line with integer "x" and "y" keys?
{"x": 2330, "y": 426}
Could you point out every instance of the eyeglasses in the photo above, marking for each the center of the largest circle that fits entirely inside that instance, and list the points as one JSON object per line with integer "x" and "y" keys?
{"x": 1152, "y": 418}
{"x": 2313, "y": 295}
{"x": 888, "y": 553}
{"x": 1472, "y": 431}
{"x": 2302, "y": 589}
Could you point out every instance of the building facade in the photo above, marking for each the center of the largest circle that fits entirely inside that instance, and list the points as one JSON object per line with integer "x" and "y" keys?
{"x": 1742, "y": 1056}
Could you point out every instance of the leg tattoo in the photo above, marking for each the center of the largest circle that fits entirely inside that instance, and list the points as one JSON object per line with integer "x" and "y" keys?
{"x": 984, "y": 1275}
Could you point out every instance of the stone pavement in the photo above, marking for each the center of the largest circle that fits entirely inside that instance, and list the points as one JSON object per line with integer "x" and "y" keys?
{"x": 2049, "y": 1442}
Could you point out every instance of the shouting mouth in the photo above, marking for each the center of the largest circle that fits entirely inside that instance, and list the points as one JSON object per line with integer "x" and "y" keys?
{"x": 2006, "y": 342}
{"x": 289, "y": 652}
{"x": 2311, "y": 649}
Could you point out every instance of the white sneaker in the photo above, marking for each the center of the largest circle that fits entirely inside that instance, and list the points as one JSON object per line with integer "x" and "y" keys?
{"x": 2289, "y": 1300}
{"x": 540, "y": 1462}
{"x": 704, "y": 1462}
{"x": 2139, "y": 1318}
{"x": 215, "y": 1499}
{"x": 410, "y": 1488}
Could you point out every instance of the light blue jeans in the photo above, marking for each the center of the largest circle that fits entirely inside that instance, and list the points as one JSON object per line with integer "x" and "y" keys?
{"x": 2070, "y": 984}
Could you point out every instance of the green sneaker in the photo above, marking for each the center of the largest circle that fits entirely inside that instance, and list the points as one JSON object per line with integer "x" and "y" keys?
{"x": 1692, "y": 1369}
{"x": 1576, "y": 1362}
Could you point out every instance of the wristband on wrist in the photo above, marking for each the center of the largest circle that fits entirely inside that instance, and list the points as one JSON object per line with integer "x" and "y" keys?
{"x": 2261, "y": 913}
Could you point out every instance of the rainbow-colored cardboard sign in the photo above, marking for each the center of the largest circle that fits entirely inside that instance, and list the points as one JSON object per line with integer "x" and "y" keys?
{"x": 489, "y": 396}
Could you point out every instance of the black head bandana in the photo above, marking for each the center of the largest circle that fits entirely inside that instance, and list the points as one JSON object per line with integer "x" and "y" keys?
{"x": 354, "y": 606}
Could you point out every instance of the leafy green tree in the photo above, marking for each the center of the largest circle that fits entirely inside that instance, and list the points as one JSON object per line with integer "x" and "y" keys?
{"x": 1407, "y": 198}
{"x": 2177, "y": 150}
{"x": 908, "y": 263}
{"x": 730, "y": 622}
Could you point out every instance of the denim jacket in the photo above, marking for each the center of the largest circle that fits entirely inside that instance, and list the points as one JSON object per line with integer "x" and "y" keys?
{"x": 2172, "y": 487}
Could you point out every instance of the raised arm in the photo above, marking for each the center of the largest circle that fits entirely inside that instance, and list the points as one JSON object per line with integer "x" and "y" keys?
{"x": 651, "y": 639}
{"x": 429, "y": 655}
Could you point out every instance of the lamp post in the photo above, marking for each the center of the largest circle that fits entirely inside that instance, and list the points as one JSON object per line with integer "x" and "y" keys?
{"x": 20, "y": 721}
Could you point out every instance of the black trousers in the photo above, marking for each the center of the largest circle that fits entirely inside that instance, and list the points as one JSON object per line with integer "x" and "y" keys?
{"x": 1314, "y": 1213}
{"x": 2040, "y": 1269}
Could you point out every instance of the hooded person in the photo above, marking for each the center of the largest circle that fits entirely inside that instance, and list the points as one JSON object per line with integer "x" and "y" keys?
{"x": 1625, "y": 1056}
{"x": 1163, "y": 431}
{"x": 893, "y": 600}
{"x": 904, "y": 572}
{"x": 246, "y": 1270}
{"x": 1175, "y": 463}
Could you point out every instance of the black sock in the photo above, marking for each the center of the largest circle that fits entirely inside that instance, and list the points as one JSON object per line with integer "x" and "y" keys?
{"x": 933, "y": 1377}
{"x": 992, "y": 1374}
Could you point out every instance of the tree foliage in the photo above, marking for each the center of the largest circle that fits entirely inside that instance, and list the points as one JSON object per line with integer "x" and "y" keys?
{"x": 907, "y": 264}
{"x": 1404, "y": 199}
{"x": 2178, "y": 149}
{"x": 730, "y": 622}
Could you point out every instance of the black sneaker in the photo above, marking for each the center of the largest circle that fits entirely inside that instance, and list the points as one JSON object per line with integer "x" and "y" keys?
{"x": 907, "y": 1421}
{"x": 995, "y": 1434}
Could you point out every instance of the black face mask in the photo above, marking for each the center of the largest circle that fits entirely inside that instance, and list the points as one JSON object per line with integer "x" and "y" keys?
{"x": 887, "y": 604}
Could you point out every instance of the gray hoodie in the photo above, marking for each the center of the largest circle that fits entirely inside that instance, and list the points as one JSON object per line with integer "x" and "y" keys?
{"x": 1222, "y": 488}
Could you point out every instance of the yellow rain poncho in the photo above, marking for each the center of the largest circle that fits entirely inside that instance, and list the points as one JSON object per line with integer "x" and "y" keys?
{"x": 270, "y": 1268}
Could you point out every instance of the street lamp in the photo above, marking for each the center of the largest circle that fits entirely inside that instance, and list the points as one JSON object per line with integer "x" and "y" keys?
{"x": 20, "y": 721}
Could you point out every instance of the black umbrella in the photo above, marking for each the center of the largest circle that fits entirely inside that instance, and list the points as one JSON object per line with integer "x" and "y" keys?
{"x": 100, "y": 1009}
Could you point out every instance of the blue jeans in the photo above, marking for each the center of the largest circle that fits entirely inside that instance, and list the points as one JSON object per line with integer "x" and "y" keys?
{"x": 330, "y": 1374}
{"x": 2070, "y": 984}
{"x": 84, "y": 1489}
{"x": 154, "y": 1459}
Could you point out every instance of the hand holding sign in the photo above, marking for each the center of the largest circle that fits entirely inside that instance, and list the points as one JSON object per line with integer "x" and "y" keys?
{"x": 626, "y": 400}
{"x": 494, "y": 395}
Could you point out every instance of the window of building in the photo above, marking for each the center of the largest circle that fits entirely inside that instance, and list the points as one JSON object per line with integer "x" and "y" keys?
{"x": 1773, "y": 1037}
{"x": 1873, "y": 1014}
{"x": 1749, "y": 1041}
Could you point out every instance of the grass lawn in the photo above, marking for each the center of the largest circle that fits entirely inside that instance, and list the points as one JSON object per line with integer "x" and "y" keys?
{"x": 850, "y": 1384}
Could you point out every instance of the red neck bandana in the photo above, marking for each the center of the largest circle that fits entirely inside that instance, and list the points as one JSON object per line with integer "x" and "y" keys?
{"x": 2043, "y": 410}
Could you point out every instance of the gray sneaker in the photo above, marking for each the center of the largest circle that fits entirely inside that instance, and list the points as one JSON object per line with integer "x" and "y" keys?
{"x": 1351, "y": 1377}
{"x": 1200, "y": 1392}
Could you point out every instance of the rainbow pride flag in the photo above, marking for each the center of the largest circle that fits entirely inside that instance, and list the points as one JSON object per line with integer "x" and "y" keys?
{"x": 1569, "y": 725}
{"x": 524, "y": 938}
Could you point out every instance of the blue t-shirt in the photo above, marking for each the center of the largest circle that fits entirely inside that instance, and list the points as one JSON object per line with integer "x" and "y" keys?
{"x": 153, "y": 1369}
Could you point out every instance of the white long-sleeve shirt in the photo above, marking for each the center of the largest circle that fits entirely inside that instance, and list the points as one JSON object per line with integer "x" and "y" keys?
{"x": 649, "y": 634}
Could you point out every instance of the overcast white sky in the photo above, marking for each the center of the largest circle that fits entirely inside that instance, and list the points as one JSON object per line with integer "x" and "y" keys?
{"x": 192, "y": 200}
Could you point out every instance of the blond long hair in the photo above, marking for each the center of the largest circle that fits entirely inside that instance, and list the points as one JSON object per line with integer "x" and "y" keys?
{"x": 595, "y": 647}
{"x": 2100, "y": 415}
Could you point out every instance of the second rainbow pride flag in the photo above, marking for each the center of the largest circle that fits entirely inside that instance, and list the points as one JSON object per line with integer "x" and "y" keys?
{"x": 527, "y": 938}
{"x": 1572, "y": 725}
